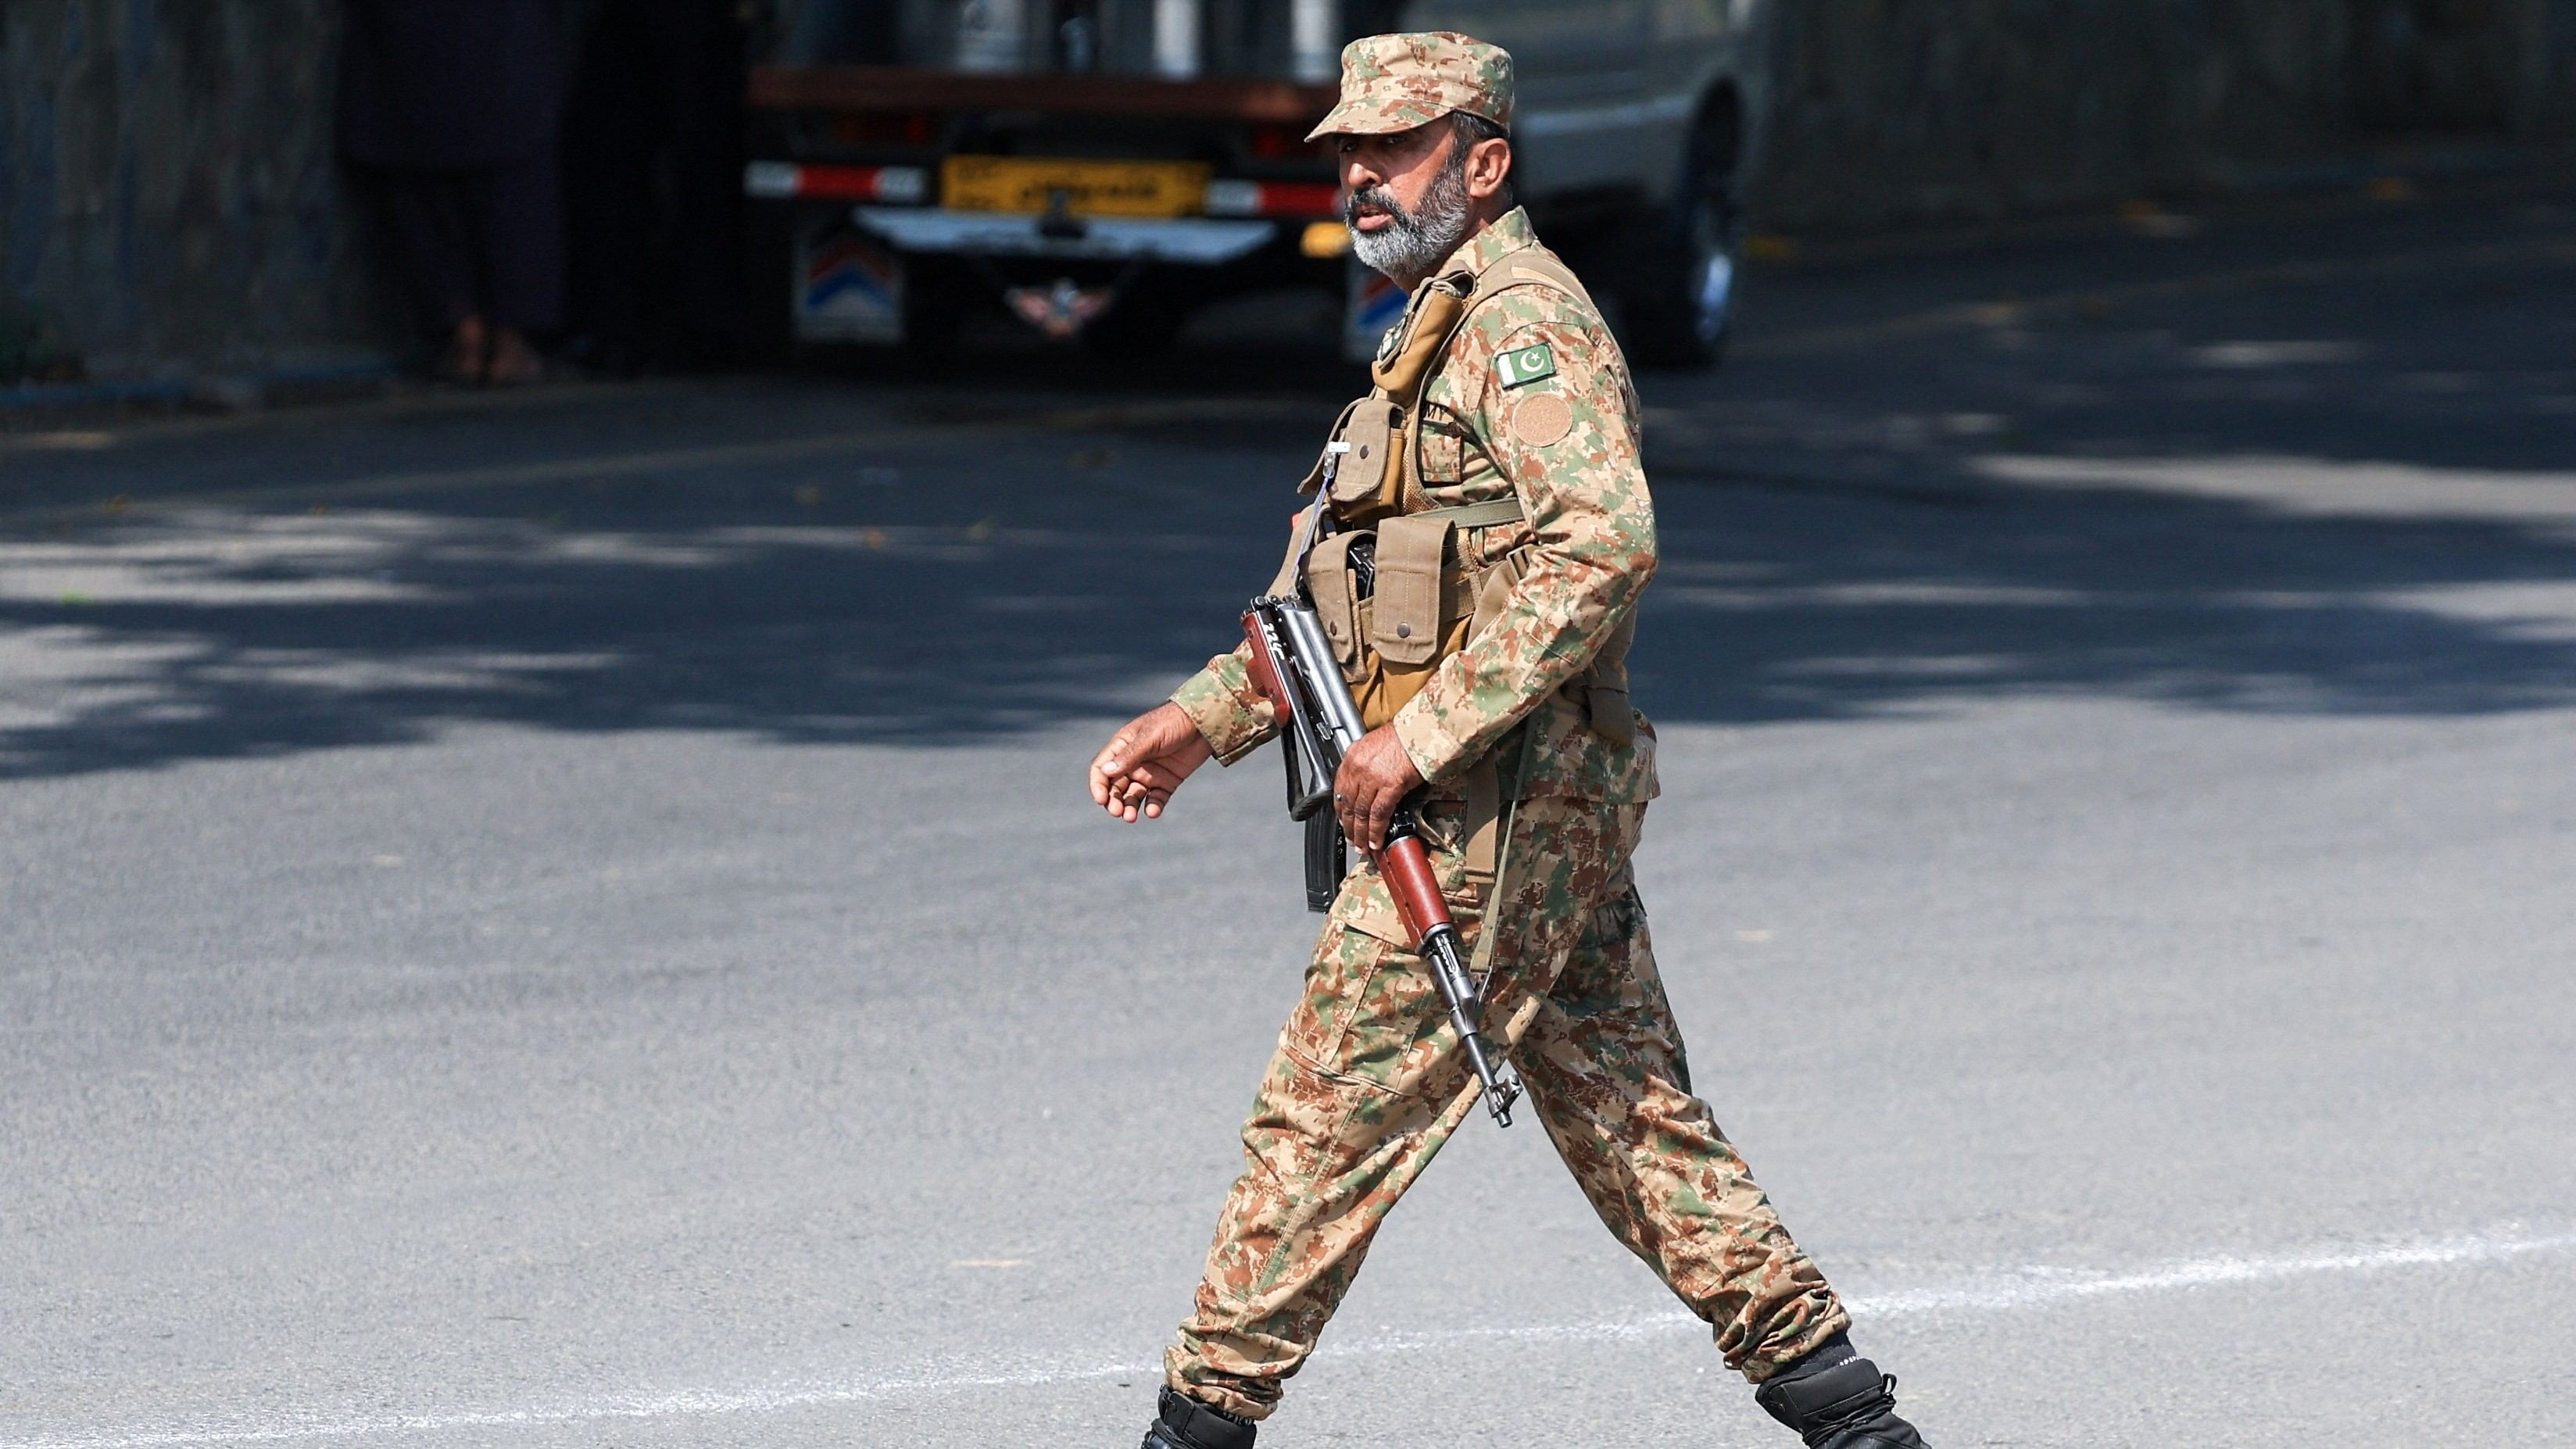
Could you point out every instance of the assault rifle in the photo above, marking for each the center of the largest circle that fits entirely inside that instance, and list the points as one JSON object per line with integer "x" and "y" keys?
{"x": 1293, "y": 666}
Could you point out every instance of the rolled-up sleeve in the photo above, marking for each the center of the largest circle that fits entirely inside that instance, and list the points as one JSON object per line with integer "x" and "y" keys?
{"x": 1221, "y": 701}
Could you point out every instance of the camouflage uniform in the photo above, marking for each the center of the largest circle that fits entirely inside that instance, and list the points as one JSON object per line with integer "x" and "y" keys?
{"x": 1367, "y": 1082}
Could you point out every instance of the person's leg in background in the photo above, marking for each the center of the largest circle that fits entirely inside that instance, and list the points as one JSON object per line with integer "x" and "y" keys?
{"x": 611, "y": 137}
{"x": 518, "y": 229}
{"x": 428, "y": 220}
{"x": 653, "y": 177}
{"x": 699, "y": 45}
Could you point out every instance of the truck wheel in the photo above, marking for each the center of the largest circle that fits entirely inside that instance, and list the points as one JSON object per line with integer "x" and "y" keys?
{"x": 1681, "y": 260}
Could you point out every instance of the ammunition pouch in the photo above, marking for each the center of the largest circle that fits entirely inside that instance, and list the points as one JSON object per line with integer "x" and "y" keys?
{"x": 1363, "y": 468}
{"x": 1394, "y": 602}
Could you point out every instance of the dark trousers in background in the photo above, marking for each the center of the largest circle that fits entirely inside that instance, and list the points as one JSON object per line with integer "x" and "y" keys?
{"x": 483, "y": 241}
{"x": 653, "y": 173}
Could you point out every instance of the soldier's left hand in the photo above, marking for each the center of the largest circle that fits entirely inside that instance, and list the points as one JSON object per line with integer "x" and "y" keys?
{"x": 1375, "y": 777}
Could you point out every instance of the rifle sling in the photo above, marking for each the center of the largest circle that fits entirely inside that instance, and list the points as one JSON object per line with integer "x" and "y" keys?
{"x": 1490, "y": 923}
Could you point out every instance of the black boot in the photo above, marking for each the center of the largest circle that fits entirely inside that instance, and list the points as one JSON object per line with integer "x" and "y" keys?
{"x": 1181, "y": 1422}
{"x": 1838, "y": 1400}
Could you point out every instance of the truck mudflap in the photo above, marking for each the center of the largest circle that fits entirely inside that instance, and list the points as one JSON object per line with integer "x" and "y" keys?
{"x": 849, "y": 287}
{"x": 1187, "y": 241}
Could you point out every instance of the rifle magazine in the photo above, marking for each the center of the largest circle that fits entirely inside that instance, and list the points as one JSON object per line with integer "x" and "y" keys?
{"x": 1328, "y": 859}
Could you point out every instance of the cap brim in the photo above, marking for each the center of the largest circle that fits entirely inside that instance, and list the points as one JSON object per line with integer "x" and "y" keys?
{"x": 1368, "y": 118}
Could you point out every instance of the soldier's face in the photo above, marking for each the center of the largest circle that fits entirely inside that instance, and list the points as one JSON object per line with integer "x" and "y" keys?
{"x": 1409, "y": 199}
{"x": 1386, "y": 178}
{"x": 1410, "y": 235}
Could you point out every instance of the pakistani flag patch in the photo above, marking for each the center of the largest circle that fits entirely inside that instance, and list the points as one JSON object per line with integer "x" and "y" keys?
{"x": 1529, "y": 364}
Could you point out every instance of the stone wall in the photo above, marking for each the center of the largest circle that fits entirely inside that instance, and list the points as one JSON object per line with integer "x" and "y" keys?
{"x": 1887, "y": 110}
{"x": 168, "y": 193}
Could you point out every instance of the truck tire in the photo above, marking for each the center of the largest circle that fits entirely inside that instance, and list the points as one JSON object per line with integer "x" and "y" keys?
{"x": 1678, "y": 263}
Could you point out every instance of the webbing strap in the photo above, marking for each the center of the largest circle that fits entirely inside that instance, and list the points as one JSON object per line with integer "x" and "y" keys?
{"x": 1442, "y": 305}
{"x": 1481, "y": 821}
{"x": 1529, "y": 264}
{"x": 1476, "y": 515}
{"x": 1489, "y": 926}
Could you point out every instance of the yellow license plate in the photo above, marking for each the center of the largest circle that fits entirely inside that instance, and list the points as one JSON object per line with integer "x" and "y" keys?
{"x": 1089, "y": 188}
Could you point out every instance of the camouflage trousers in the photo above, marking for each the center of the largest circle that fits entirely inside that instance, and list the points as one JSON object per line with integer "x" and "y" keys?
{"x": 1366, "y": 1084}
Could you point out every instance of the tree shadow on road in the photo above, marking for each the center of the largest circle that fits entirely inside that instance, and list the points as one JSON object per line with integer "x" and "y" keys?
{"x": 1787, "y": 601}
{"x": 1825, "y": 591}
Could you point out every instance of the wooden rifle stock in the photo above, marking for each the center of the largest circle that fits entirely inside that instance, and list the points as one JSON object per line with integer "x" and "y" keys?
{"x": 1264, "y": 668}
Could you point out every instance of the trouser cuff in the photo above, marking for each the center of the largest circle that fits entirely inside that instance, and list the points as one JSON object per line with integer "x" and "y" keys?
{"x": 1245, "y": 1399}
{"x": 1778, "y": 1353}
{"x": 1194, "y": 1425}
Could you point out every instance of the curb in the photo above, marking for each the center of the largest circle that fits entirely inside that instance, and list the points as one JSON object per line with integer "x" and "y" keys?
{"x": 240, "y": 392}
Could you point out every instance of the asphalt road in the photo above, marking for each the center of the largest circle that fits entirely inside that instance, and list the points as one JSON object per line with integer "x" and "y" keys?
{"x": 573, "y": 920}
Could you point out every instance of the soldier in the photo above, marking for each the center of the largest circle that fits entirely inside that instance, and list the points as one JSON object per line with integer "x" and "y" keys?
{"x": 1500, "y": 444}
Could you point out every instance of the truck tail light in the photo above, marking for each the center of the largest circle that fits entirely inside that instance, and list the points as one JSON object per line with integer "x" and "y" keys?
{"x": 786, "y": 181}
{"x": 1273, "y": 198}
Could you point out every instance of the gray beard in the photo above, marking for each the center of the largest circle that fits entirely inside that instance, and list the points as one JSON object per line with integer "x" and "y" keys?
{"x": 1418, "y": 241}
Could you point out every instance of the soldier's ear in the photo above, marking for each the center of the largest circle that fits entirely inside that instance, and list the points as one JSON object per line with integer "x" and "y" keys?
{"x": 1489, "y": 167}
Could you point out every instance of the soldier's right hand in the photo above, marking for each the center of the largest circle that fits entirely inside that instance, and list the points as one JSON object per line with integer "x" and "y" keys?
{"x": 1134, "y": 775}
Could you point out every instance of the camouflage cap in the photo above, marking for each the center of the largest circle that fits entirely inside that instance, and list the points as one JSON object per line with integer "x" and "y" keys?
{"x": 1394, "y": 83}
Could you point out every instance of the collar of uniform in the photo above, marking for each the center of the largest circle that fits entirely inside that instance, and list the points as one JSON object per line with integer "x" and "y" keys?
{"x": 1508, "y": 233}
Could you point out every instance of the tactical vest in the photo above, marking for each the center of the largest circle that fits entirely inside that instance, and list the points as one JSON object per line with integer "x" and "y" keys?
{"x": 1394, "y": 588}
{"x": 1391, "y": 589}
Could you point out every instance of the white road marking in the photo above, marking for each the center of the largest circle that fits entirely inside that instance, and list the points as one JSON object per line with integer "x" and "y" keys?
{"x": 2020, "y": 1288}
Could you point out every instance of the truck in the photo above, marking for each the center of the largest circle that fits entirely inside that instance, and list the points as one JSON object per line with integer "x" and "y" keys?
{"x": 1100, "y": 169}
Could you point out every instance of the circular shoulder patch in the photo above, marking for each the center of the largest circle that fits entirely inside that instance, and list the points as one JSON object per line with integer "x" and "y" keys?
{"x": 1542, "y": 420}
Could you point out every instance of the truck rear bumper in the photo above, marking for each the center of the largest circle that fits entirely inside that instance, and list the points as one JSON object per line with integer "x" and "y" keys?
{"x": 1187, "y": 241}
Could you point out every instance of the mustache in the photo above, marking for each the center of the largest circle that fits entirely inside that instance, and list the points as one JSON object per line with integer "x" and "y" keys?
{"x": 1380, "y": 198}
